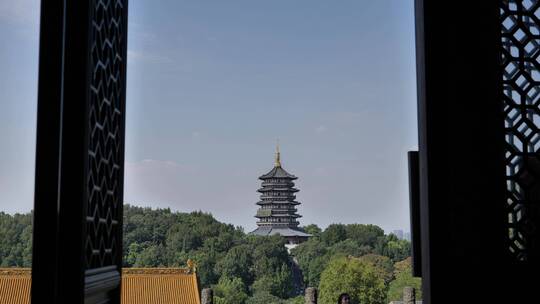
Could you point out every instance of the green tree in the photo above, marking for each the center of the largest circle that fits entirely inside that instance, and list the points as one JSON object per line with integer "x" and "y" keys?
{"x": 133, "y": 251}
{"x": 312, "y": 229}
{"x": 383, "y": 265}
{"x": 264, "y": 298}
{"x": 358, "y": 278}
{"x": 312, "y": 258}
{"x": 279, "y": 285}
{"x": 237, "y": 263}
{"x": 162, "y": 238}
{"x": 283, "y": 282}
{"x": 393, "y": 248}
{"x": 230, "y": 291}
{"x": 26, "y": 245}
{"x": 15, "y": 240}
{"x": 295, "y": 300}
{"x": 404, "y": 278}
{"x": 312, "y": 276}
{"x": 348, "y": 247}
{"x": 182, "y": 238}
{"x": 269, "y": 254}
{"x": 224, "y": 241}
{"x": 333, "y": 234}
{"x": 151, "y": 256}
{"x": 206, "y": 261}
{"x": 366, "y": 235}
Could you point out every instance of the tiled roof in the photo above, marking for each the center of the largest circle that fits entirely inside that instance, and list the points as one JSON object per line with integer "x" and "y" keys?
{"x": 277, "y": 172}
{"x": 139, "y": 286}
{"x": 278, "y": 202}
{"x": 268, "y": 230}
{"x": 15, "y": 285}
{"x": 159, "y": 285}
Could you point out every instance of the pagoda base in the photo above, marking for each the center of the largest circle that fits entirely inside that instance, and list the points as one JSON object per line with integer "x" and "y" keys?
{"x": 293, "y": 236}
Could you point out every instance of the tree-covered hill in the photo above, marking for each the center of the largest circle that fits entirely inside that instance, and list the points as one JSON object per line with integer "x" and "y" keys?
{"x": 241, "y": 268}
{"x": 339, "y": 240}
{"x": 15, "y": 240}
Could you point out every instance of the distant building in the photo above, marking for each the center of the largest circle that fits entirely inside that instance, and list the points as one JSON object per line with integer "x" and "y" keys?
{"x": 139, "y": 285}
{"x": 402, "y": 235}
{"x": 277, "y": 213}
{"x": 398, "y": 233}
{"x": 407, "y": 236}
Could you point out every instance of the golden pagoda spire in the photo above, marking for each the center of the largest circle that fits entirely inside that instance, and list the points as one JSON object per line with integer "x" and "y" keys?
{"x": 278, "y": 158}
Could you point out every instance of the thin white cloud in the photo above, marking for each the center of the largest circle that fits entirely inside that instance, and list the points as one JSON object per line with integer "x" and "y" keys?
{"x": 321, "y": 129}
{"x": 196, "y": 135}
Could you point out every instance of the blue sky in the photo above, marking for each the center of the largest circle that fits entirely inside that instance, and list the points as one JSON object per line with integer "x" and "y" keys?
{"x": 213, "y": 84}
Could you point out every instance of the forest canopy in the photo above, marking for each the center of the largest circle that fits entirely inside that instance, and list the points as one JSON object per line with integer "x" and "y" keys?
{"x": 240, "y": 267}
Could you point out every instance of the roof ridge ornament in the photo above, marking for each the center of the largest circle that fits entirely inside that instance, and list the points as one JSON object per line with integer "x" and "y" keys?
{"x": 192, "y": 266}
{"x": 278, "y": 156}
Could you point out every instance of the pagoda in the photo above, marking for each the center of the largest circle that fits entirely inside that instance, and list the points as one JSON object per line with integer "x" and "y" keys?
{"x": 277, "y": 213}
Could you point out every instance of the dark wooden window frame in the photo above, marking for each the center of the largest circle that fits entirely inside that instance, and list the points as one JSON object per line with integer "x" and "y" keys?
{"x": 77, "y": 237}
{"x": 458, "y": 183}
{"x": 462, "y": 176}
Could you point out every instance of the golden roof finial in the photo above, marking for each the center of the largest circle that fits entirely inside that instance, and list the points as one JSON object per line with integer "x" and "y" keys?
{"x": 278, "y": 158}
{"x": 192, "y": 266}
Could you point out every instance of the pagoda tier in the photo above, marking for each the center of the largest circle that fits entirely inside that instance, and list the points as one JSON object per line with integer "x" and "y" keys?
{"x": 278, "y": 213}
{"x": 274, "y": 188}
{"x": 260, "y": 203}
{"x": 278, "y": 199}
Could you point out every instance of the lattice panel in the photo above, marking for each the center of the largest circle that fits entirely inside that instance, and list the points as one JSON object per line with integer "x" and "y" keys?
{"x": 106, "y": 112}
{"x": 521, "y": 84}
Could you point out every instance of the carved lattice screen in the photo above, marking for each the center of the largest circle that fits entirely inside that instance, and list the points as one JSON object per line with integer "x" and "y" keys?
{"x": 77, "y": 255}
{"x": 105, "y": 128}
{"x": 521, "y": 86}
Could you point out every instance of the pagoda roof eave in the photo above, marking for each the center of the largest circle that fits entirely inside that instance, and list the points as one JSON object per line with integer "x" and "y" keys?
{"x": 277, "y": 203}
{"x": 285, "y": 231}
{"x": 279, "y": 215}
{"x": 270, "y": 188}
{"x": 277, "y": 172}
